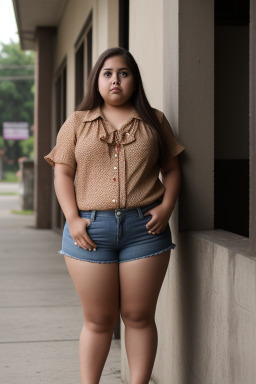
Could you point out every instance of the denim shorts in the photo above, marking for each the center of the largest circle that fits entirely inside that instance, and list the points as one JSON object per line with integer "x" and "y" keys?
{"x": 120, "y": 234}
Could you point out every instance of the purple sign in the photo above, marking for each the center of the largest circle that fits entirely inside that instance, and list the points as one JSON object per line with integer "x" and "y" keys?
{"x": 15, "y": 130}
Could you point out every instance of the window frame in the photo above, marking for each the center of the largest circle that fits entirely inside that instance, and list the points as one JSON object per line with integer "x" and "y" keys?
{"x": 85, "y": 40}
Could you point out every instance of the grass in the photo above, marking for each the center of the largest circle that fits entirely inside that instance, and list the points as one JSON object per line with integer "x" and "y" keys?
{"x": 8, "y": 193}
{"x": 24, "y": 212}
{"x": 10, "y": 177}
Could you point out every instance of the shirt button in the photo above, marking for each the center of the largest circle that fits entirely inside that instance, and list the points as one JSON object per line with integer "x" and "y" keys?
{"x": 115, "y": 154}
{"x": 114, "y": 179}
{"x": 127, "y": 133}
{"x": 115, "y": 167}
{"x": 114, "y": 200}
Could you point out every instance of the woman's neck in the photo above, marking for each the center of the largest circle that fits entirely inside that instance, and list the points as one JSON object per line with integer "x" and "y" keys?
{"x": 116, "y": 116}
{"x": 116, "y": 109}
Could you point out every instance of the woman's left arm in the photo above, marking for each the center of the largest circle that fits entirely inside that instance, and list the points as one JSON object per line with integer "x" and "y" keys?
{"x": 161, "y": 213}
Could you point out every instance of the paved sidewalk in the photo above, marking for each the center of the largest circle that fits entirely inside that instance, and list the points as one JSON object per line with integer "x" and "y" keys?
{"x": 41, "y": 318}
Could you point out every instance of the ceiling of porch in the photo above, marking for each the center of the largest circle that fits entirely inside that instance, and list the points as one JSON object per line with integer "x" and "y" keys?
{"x": 31, "y": 14}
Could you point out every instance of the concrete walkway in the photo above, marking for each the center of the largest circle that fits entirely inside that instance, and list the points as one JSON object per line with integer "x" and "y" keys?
{"x": 40, "y": 315}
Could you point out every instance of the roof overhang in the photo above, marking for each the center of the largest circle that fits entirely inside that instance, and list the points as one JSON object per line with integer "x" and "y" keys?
{"x": 31, "y": 14}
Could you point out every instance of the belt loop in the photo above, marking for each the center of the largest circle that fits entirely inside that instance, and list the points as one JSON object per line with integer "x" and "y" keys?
{"x": 93, "y": 215}
{"x": 140, "y": 212}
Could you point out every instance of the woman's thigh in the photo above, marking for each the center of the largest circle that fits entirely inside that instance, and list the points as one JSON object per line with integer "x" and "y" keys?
{"x": 97, "y": 285}
{"x": 140, "y": 284}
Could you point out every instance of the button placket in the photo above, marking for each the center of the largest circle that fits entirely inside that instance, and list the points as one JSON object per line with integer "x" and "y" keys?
{"x": 115, "y": 167}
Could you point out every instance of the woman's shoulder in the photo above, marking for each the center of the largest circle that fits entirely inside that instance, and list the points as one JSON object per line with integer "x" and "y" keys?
{"x": 159, "y": 114}
{"x": 79, "y": 117}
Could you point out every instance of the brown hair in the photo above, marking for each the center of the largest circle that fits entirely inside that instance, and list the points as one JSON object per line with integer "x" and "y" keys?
{"x": 139, "y": 99}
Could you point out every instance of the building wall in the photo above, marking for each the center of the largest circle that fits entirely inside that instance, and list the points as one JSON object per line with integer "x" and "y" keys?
{"x": 105, "y": 35}
{"x": 206, "y": 309}
{"x": 146, "y": 44}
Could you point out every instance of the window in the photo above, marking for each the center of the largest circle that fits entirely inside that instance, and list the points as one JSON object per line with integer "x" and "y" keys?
{"x": 79, "y": 74}
{"x": 83, "y": 59}
{"x": 231, "y": 116}
{"x": 124, "y": 24}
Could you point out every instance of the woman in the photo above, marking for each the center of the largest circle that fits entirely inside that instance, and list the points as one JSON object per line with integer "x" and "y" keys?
{"x": 116, "y": 239}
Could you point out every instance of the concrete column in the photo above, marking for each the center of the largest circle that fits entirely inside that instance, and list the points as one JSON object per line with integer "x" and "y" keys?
{"x": 105, "y": 26}
{"x": 196, "y": 111}
{"x": 188, "y": 103}
{"x": 43, "y": 111}
{"x": 27, "y": 184}
{"x": 252, "y": 128}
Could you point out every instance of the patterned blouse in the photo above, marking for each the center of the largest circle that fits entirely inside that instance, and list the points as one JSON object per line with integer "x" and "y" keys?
{"x": 115, "y": 168}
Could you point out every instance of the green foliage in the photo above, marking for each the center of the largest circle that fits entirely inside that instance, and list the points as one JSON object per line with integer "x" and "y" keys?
{"x": 16, "y": 98}
{"x": 27, "y": 147}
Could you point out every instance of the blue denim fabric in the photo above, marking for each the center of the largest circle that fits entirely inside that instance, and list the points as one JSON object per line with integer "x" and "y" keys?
{"x": 121, "y": 235}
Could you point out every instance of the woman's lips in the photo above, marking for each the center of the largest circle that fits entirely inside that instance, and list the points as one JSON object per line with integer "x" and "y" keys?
{"x": 115, "y": 89}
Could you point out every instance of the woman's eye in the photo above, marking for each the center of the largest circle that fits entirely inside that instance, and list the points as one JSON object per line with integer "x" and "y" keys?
{"x": 107, "y": 74}
{"x": 124, "y": 74}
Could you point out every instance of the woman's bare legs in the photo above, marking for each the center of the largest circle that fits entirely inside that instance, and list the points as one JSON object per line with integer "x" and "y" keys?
{"x": 140, "y": 284}
{"x": 98, "y": 288}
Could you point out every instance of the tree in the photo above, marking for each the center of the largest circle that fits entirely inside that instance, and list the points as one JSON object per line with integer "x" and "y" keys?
{"x": 16, "y": 93}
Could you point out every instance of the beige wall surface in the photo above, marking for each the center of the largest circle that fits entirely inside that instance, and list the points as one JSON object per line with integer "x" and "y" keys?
{"x": 146, "y": 44}
{"x": 74, "y": 17}
{"x": 206, "y": 309}
{"x": 105, "y": 35}
{"x": 196, "y": 113}
{"x": 218, "y": 309}
{"x": 106, "y": 26}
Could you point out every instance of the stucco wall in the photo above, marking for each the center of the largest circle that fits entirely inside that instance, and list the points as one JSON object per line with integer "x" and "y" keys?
{"x": 74, "y": 16}
{"x": 218, "y": 309}
{"x": 146, "y": 44}
{"x": 105, "y": 35}
{"x": 206, "y": 309}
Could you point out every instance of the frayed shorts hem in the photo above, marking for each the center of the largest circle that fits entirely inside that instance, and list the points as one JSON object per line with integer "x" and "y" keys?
{"x": 153, "y": 254}
{"x": 172, "y": 246}
{"x": 90, "y": 261}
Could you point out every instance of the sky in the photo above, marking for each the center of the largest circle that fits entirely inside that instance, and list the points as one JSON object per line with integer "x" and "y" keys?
{"x": 8, "y": 26}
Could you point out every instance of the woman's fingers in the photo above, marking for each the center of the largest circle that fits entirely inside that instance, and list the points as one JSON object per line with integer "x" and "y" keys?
{"x": 156, "y": 228}
{"x": 84, "y": 241}
{"x": 86, "y": 236}
{"x": 83, "y": 244}
{"x": 89, "y": 240}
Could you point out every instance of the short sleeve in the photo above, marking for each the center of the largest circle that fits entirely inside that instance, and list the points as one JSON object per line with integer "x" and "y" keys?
{"x": 64, "y": 150}
{"x": 174, "y": 148}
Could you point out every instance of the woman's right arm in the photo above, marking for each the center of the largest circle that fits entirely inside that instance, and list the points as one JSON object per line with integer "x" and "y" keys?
{"x": 64, "y": 187}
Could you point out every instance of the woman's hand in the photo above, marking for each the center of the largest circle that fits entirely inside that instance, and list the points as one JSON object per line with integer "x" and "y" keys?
{"x": 162, "y": 212}
{"x": 77, "y": 228}
{"x": 159, "y": 221}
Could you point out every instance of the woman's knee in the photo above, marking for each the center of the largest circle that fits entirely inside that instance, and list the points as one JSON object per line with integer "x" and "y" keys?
{"x": 100, "y": 322}
{"x": 137, "y": 318}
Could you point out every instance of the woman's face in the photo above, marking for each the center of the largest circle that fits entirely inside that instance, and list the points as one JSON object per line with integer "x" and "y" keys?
{"x": 116, "y": 82}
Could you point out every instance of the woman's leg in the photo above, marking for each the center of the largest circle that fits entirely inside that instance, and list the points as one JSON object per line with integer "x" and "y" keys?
{"x": 97, "y": 285}
{"x": 140, "y": 284}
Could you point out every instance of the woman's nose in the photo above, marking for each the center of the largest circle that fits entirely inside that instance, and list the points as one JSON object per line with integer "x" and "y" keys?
{"x": 116, "y": 80}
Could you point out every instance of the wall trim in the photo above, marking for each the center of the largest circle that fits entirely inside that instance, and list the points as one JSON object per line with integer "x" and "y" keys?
{"x": 83, "y": 30}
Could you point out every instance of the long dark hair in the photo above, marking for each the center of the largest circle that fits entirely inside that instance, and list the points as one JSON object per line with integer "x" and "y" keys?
{"x": 139, "y": 99}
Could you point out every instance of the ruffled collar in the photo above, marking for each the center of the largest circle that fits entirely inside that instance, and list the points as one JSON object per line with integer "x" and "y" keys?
{"x": 125, "y": 134}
